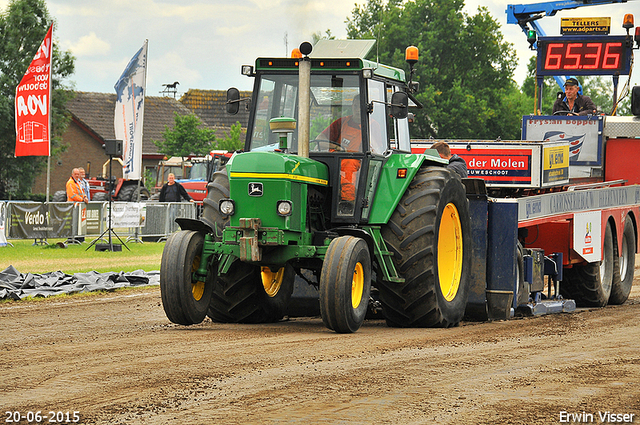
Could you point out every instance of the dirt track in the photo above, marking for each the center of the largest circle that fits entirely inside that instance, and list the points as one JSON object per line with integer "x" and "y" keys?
{"x": 116, "y": 359}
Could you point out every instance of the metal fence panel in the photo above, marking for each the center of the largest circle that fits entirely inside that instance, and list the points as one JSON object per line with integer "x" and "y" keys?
{"x": 90, "y": 220}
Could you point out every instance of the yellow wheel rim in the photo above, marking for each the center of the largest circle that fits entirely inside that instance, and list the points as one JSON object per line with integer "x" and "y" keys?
{"x": 357, "y": 285}
{"x": 450, "y": 252}
{"x": 272, "y": 281}
{"x": 197, "y": 288}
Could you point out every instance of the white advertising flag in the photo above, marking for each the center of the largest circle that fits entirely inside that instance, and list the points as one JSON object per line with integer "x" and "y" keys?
{"x": 129, "y": 114}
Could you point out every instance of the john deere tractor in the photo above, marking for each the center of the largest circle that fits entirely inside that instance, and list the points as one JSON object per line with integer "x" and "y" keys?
{"x": 326, "y": 189}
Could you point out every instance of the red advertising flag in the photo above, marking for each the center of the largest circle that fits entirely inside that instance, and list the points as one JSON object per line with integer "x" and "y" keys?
{"x": 33, "y": 96}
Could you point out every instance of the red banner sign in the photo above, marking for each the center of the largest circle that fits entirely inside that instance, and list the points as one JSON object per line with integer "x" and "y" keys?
{"x": 33, "y": 96}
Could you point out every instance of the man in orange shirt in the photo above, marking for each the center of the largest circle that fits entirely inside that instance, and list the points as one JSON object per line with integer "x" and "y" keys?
{"x": 346, "y": 135}
{"x": 74, "y": 190}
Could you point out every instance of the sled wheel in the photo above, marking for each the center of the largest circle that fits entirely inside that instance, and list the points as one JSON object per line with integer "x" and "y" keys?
{"x": 429, "y": 235}
{"x": 590, "y": 284}
{"x": 184, "y": 299}
{"x": 217, "y": 188}
{"x": 523, "y": 287}
{"x": 251, "y": 294}
{"x": 345, "y": 284}
{"x": 623, "y": 274}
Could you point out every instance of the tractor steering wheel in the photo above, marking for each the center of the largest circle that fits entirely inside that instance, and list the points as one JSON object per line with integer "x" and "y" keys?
{"x": 322, "y": 145}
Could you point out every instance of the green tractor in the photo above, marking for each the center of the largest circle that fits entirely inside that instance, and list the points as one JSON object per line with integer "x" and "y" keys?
{"x": 334, "y": 196}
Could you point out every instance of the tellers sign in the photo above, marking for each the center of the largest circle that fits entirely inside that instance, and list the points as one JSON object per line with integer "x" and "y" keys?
{"x": 584, "y": 55}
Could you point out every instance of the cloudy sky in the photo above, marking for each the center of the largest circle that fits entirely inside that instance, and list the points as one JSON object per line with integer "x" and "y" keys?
{"x": 202, "y": 44}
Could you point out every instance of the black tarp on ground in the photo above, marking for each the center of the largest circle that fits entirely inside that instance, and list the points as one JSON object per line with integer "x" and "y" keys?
{"x": 16, "y": 285}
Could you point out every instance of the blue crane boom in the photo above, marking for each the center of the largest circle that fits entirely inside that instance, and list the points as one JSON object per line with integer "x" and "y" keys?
{"x": 528, "y": 14}
{"x": 525, "y": 14}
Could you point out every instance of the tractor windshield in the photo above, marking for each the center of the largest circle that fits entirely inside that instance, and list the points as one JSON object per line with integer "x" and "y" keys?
{"x": 334, "y": 111}
{"x": 198, "y": 171}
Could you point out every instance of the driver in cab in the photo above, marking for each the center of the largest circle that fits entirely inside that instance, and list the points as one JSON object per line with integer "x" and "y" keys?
{"x": 573, "y": 103}
{"x": 345, "y": 134}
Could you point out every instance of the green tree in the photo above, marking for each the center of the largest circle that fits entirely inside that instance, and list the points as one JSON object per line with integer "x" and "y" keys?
{"x": 600, "y": 90}
{"x": 317, "y": 36}
{"x": 549, "y": 93}
{"x": 23, "y": 26}
{"x": 232, "y": 141}
{"x": 187, "y": 137}
{"x": 465, "y": 68}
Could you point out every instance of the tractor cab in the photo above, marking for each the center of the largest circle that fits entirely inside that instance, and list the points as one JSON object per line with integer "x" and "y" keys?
{"x": 350, "y": 119}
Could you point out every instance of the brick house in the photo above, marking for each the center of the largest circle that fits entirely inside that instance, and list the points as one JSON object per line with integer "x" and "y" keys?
{"x": 91, "y": 124}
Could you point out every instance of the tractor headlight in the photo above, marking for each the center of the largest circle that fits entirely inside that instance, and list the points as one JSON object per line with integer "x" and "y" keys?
{"x": 284, "y": 208}
{"x": 226, "y": 207}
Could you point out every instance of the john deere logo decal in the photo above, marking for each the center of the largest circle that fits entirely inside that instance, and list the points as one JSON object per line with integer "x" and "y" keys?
{"x": 255, "y": 189}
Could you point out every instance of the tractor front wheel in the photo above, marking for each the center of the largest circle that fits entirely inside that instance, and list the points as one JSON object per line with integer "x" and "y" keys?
{"x": 185, "y": 299}
{"x": 429, "y": 235}
{"x": 345, "y": 284}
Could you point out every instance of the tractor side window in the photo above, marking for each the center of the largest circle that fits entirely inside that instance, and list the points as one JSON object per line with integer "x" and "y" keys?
{"x": 402, "y": 139}
{"x": 377, "y": 118}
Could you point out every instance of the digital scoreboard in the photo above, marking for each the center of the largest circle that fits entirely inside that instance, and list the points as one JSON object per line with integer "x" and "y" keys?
{"x": 584, "y": 55}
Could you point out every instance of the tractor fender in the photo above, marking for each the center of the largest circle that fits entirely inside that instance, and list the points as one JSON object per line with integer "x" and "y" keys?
{"x": 193, "y": 224}
{"x": 359, "y": 233}
{"x": 391, "y": 187}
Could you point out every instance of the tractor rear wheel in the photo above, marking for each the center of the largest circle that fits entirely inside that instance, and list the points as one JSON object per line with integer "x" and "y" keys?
{"x": 590, "y": 284}
{"x": 429, "y": 235}
{"x": 185, "y": 300}
{"x": 100, "y": 196}
{"x": 59, "y": 196}
{"x": 345, "y": 284}
{"x": 251, "y": 294}
{"x": 217, "y": 188}
{"x": 129, "y": 193}
{"x": 623, "y": 274}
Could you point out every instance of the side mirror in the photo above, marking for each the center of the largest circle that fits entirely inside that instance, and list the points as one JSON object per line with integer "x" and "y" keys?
{"x": 399, "y": 105}
{"x": 635, "y": 100}
{"x": 233, "y": 101}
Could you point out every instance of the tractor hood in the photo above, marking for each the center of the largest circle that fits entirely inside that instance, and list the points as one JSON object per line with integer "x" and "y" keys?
{"x": 274, "y": 165}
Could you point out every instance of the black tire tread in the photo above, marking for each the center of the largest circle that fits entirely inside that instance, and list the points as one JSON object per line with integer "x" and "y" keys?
{"x": 239, "y": 297}
{"x": 411, "y": 237}
{"x": 175, "y": 279}
{"x": 620, "y": 289}
{"x": 583, "y": 282}
{"x": 59, "y": 196}
{"x": 217, "y": 188}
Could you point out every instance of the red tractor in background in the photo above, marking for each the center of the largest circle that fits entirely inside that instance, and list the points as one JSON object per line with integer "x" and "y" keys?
{"x": 192, "y": 173}
{"x": 122, "y": 190}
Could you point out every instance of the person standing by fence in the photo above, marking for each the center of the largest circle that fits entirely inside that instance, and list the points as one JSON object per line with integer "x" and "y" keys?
{"x": 84, "y": 184}
{"x": 172, "y": 191}
{"x": 74, "y": 190}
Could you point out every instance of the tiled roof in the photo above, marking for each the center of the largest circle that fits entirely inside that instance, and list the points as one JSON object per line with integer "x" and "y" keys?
{"x": 210, "y": 106}
{"x": 96, "y": 112}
